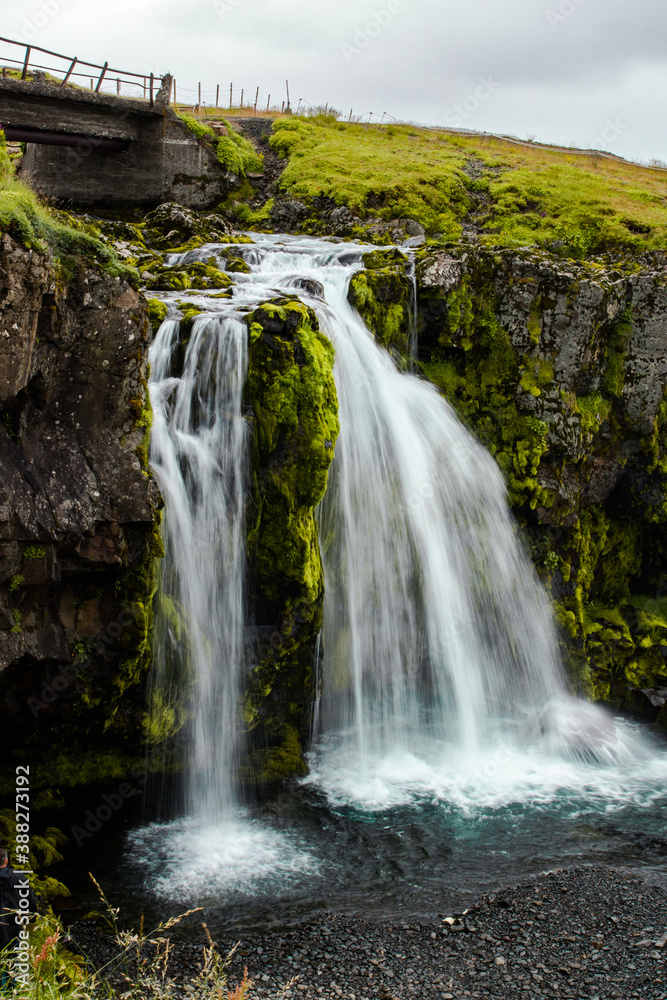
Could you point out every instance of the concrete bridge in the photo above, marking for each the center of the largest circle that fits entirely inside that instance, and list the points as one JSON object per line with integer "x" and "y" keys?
{"x": 97, "y": 149}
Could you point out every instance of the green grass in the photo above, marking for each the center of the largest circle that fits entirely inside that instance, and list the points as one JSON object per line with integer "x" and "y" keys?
{"x": 28, "y": 221}
{"x": 141, "y": 965}
{"x": 519, "y": 195}
{"x": 387, "y": 173}
{"x": 236, "y": 153}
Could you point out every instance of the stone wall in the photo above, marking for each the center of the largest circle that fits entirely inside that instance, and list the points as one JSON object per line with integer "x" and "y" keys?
{"x": 164, "y": 160}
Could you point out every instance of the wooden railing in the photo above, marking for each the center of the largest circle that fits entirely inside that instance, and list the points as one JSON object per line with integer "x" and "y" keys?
{"x": 71, "y": 69}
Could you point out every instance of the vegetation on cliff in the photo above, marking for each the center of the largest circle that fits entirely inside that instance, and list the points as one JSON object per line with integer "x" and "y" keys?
{"x": 38, "y": 228}
{"x": 233, "y": 150}
{"x": 292, "y": 394}
{"x": 558, "y": 374}
{"x": 509, "y": 194}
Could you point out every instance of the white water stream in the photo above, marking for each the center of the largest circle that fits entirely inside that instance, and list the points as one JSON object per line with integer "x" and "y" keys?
{"x": 441, "y": 674}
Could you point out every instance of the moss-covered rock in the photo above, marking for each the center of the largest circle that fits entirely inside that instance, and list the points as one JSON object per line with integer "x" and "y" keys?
{"x": 559, "y": 368}
{"x": 381, "y": 293}
{"x": 170, "y": 226}
{"x": 292, "y": 395}
{"x": 182, "y": 277}
{"x": 157, "y": 312}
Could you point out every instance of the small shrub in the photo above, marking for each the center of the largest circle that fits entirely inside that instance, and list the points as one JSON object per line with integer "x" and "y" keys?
{"x": 32, "y": 552}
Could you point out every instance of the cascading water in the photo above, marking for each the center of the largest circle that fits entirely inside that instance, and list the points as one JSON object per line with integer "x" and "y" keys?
{"x": 198, "y": 454}
{"x": 441, "y": 678}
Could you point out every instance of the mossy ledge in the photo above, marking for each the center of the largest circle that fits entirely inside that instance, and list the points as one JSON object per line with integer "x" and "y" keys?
{"x": 381, "y": 294}
{"x": 291, "y": 396}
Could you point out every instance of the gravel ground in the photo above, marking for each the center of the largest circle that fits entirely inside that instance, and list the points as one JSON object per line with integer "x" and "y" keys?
{"x": 584, "y": 933}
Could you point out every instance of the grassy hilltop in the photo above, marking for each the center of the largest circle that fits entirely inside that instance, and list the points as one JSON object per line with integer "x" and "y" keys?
{"x": 508, "y": 193}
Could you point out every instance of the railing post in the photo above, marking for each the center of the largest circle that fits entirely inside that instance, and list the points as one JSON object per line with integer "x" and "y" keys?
{"x": 69, "y": 71}
{"x": 151, "y": 88}
{"x": 102, "y": 75}
{"x": 25, "y": 64}
{"x": 118, "y": 85}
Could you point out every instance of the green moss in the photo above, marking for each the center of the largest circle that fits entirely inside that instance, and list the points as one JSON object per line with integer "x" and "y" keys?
{"x": 258, "y": 218}
{"x": 199, "y": 129}
{"x": 292, "y": 393}
{"x": 614, "y": 378}
{"x": 534, "y": 325}
{"x": 475, "y": 365}
{"x": 33, "y": 552}
{"x": 198, "y": 275}
{"x": 44, "y": 852}
{"x": 264, "y": 767}
{"x": 189, "y": 313}
{"x": 538, "y": 373}
{"x": 236, "y": 153}
{"x": 157, "y": 312}
{"x": 15, "y": 583}
{"x": 381, "y": 295}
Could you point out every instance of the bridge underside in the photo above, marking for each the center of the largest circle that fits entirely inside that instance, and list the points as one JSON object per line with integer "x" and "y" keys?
{"x": 96, "y": 150}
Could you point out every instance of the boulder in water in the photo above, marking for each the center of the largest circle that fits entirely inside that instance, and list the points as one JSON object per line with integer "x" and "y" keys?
{"x": 171, "y": 225}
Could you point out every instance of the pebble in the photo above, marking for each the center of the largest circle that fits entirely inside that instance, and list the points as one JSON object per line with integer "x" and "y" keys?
{"x": 585, "y": 933}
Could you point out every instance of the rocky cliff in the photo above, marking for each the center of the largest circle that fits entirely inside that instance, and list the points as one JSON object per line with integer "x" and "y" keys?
{"x": 558, "y": 366}
{"x": 79, "y": 514}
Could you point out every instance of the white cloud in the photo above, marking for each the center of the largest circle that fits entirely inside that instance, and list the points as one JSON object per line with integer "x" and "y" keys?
{"x": 560, "y": 82}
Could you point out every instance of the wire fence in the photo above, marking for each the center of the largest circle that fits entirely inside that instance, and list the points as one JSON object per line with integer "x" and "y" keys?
{"x": 25, "y": 61}
{"x": 255, "y": 102}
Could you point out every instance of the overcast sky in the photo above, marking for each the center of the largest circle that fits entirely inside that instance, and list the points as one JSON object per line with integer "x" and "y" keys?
{"x": 579, "y": 72}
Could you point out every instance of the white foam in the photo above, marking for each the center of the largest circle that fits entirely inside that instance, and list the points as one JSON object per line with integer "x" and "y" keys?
{"x": 624, "y": 772}
{"x": 192, "y": 863}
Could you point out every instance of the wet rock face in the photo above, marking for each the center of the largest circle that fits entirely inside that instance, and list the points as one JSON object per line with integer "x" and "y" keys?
{"x": 171, "y": 225}
{"x": 78, "y": 511}
{"x": 560, "y": 367}
{"x": 292, "y": 395}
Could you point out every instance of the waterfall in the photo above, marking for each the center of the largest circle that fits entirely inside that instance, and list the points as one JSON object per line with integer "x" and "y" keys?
{"x": 439, "y": 664}
{"x": 199, "y": 456}
{"x": 431, "y": 605}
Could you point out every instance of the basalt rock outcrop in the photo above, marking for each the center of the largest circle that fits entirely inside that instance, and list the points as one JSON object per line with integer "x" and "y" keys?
{"x": 560, "y": 368}
{"x": 79, "y": 515}
{"x": 292, "y": 401}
